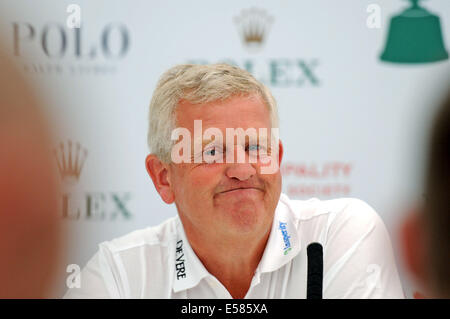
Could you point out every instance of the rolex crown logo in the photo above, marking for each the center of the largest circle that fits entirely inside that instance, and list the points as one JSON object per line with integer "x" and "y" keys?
{"x": 70, "y": 159}
{"x": 253, "y": 25}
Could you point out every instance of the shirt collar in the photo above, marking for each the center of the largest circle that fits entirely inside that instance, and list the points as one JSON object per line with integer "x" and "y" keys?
{"x": 284, "y": 242}
{"x": 188, "y": 269}
{"x": 282, "y": 246}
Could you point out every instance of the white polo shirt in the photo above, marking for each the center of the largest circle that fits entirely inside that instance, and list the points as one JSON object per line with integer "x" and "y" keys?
{"x": 158, "y": 262}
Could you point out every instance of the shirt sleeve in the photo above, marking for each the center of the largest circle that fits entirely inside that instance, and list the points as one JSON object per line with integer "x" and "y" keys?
{"x": 98, "y": 280}
{"x": 358, "y": 256}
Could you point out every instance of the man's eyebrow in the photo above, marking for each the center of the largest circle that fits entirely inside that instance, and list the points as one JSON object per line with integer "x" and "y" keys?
{"x": 209, "y": 140}
{"x": 215, "y": 140}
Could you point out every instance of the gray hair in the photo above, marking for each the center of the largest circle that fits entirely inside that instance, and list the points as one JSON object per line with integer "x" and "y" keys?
{"x": 197, "y": 84}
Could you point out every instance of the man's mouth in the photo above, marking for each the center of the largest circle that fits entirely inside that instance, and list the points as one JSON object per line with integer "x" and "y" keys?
{"x": 241, "y": 189}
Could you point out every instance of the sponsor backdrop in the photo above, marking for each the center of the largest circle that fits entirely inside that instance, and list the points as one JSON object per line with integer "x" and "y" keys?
{"x": 356, "y": 84}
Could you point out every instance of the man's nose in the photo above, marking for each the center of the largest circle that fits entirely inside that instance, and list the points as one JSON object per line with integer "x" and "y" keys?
{"x": 241, "y": 171}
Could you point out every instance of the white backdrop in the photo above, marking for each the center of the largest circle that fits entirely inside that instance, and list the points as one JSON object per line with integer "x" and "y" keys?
{"x": 352, "y": 125}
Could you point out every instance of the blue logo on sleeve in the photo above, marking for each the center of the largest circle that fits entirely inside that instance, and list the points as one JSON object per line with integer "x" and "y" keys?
{"x": 287, "y": 244}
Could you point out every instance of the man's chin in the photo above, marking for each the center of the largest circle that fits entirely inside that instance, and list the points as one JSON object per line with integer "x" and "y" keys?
{"x": 242, "y": 219}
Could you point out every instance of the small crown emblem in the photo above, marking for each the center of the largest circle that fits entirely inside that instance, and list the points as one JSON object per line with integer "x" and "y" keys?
{"x": 253, "y": 25}
{"x": 70, "y": 158}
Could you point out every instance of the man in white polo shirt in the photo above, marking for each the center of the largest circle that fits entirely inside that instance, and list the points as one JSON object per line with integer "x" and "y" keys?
{"x": 235, "y": 235}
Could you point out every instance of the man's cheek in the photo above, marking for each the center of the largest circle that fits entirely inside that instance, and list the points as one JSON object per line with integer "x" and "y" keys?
{"x": 199, "y": 189}
{"x": 268, "y": 165}
{"x": 206, "y": 175}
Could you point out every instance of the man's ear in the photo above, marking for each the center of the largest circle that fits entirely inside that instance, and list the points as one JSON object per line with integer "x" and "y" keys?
{"x": 280, "y": 152}
{"x": 159, "y": 172}
{"x": 414, "y": 248}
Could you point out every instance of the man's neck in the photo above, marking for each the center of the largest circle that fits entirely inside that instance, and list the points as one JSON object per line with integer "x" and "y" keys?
{"x": 232, "y": 261}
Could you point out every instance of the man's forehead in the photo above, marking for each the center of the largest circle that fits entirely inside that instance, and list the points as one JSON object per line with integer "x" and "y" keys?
{"x": 238, "y": 111}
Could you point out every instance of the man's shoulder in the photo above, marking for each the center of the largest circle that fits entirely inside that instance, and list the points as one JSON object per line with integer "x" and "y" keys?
{"x": 160, "y": 235}
{"x": 340, "y": 220}
{"x": 345, "y": 208}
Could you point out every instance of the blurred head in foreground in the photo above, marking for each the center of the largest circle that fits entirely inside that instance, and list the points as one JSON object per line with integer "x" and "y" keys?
{"x": 426, "y": 232}
{"x": 29, "y": 226}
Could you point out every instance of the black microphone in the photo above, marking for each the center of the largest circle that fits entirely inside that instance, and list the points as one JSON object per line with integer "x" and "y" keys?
{"x": 315, "y": 271}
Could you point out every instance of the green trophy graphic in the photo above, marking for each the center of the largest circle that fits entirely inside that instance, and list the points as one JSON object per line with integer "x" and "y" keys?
{"x": 414, "y": 37}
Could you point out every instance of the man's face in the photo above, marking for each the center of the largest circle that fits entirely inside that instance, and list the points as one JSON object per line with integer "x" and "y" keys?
{"x": 229, "y": 198}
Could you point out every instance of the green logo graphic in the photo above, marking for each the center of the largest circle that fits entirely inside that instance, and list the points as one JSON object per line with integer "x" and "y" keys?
{"x": 414, "y": 37}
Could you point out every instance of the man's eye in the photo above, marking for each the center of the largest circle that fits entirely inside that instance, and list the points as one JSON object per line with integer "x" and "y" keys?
{"x": 213, "y": 155}
{"x": 254, "y": 147}
{"x": 212, "y": 152}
